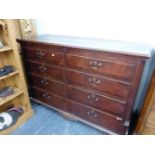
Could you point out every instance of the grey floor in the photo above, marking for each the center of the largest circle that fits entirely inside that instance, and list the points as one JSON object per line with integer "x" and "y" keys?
{"x": 46, "y": 121}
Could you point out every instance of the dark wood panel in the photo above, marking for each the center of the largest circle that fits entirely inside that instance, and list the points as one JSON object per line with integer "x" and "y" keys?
{"x": 115, "y": 124}
{"x": 49, "y": 98}
{"x": 114, "y": 88}
{"x": 45, "y": 70}
{"x": 133, "y": 92}
{"x": 118, "y": 69}
{"x": 49, "y": 85}
{"x": 96, "y": 101}
{"x": 51, "y": 57}
{"x": 43, "y": 46}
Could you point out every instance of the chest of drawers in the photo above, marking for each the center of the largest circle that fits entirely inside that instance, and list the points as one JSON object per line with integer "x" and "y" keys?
{"x": 97, "y": 86}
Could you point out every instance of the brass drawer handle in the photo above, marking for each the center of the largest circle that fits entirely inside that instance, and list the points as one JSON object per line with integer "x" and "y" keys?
{"x": 94, "y": 81}
{"x": 40, "y": 54}
{"x": 44, "y": 82}
{"x": 92, "y": 113}
{"x": 126, "y": 123}
{"x": 53, "y": 54}
{"x": 93, "y": 98}
{"x": 42, "y": 68}
{"x": 119, "y": 119}
{"x": 46, "y": 96}
{"x": 95, "y": 64}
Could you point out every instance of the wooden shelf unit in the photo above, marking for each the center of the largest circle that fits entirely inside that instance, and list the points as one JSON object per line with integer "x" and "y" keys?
{"x": 22, "y": 119}
{"x": 8, "y": 98}
{"x": 7, "y": 76}
{"x": 5, "y": 48}
{"x": 9, "y": 55}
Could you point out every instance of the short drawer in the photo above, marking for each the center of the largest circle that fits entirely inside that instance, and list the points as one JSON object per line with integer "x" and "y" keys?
{"x": 96, "y": 101}
{"x": 49, "y": 98}
{"x": 117, "y": 69}
{"x": 108, "y": 86}
{"x": 51, "y": 57}
{"x": 46, "y": 84}
{"x": 45, "y": 70}
{"x": 112, "y": 123}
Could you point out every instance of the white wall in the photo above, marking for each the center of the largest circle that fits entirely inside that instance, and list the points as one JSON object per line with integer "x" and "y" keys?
{"x": 129, "y": 20}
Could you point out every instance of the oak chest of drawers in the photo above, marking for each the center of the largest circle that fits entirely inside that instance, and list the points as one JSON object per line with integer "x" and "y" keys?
{"x": 97, "y": 86}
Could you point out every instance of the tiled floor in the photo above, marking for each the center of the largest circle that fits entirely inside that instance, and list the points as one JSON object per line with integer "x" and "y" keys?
{"x": 48, "y": 122}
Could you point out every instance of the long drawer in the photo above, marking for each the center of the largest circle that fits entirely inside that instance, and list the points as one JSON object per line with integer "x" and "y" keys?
{"x": 49, "y": 98}
{"x": 96, "y": 101}
{"x": 106, "y": 85}
{"x": 45, "y": 70}
{"x": 117, "y": 69}
{"x": 46, "y": 84}
{"x": 115, "y": 124}
{"x": 50, "y": 56}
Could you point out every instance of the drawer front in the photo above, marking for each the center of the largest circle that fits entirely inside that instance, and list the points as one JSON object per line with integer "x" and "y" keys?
{"x": 49, "y": 85}
{"x": 106, "y": 85}
{"x": 119, "y": 69}
{"x": 51, "y": 57}
{"x": 109, "y": 122}
{"x": 96, "y": 101}
{"x": 45, "y": 70}
{"x": 49, "y": 98}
